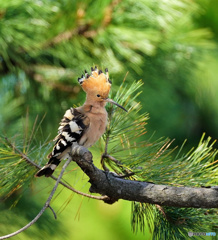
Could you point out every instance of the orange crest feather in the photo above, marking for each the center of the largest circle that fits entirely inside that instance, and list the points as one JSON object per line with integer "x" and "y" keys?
{"x": 96, "y": 83}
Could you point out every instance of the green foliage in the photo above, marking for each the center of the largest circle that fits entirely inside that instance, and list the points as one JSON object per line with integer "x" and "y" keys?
{"x": 45, "y": 46}
{"x": 52, "y": 42}
{"x": 142, "y": 213}
{"x": 154, "y": 161}
{"x": 175, "y": 223}
{"x": 16, "y": 171}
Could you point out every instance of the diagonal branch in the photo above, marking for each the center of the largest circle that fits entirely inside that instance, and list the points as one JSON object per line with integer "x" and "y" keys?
{"x": 28, "y": 160}
{"x": 107, "y": 183}
{"x": 44, "y": 207}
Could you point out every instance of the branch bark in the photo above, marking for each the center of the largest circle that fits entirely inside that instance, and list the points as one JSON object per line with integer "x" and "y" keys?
{"x": 108, "y": 183}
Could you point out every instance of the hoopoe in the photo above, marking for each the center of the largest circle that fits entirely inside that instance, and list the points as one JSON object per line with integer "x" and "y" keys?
{"x": 82, "y": 125}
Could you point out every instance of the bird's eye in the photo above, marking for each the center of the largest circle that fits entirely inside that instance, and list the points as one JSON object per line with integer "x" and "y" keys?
{"x": 98, "y": 95}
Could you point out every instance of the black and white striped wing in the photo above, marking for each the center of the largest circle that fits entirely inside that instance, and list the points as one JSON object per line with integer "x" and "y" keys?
{"x": 71, "y": 129}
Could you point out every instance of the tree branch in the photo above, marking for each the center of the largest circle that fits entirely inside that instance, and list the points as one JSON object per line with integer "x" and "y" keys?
{"x": 28, "y": 160}
{"x": 110, "y": 184}
{"x": 107, "y": 183}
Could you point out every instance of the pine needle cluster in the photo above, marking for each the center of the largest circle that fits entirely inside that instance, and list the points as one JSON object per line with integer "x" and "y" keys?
{"x": 127, "y": 150}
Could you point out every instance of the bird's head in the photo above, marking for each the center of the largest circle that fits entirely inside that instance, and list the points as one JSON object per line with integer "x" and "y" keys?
{"x": 97, "y": 86}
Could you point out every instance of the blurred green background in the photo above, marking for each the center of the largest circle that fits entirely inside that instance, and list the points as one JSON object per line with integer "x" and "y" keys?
{"x": 46, "y": 45}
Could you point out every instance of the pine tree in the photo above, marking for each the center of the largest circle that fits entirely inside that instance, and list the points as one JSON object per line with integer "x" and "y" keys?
{"x": 45, "y": 45}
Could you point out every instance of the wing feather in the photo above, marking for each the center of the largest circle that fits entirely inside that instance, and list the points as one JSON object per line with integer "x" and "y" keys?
{"x": 71, "y": 129}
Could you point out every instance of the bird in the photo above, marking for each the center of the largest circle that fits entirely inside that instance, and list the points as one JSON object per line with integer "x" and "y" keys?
{"x": 83, "y": 125}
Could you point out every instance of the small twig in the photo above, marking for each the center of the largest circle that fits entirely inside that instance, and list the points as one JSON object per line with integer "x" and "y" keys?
{"x": 128, "y": 173}
{"x": 113, "y": 159}
{"x": 44, "y": 207}
{"x": 55, "y": 216}
{"x": 103, "y": 163}
{"x": 81, "y": 193}
{"x": 54, "y": 178}
{"x": 160, "y": 208}
{"x": 105, "y": 151}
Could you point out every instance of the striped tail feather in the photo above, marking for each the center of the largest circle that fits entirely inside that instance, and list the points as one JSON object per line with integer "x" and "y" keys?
{"x": 49, "y": 168}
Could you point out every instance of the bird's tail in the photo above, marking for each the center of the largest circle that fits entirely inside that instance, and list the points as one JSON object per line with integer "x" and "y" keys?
{"x": 49, "y": 168}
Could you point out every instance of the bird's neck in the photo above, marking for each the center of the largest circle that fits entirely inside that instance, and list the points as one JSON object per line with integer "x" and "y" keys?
{"x": 93, "y": 106}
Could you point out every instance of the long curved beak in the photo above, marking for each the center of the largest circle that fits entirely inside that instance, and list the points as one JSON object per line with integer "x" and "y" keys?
{"x": 112, "y": 101}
